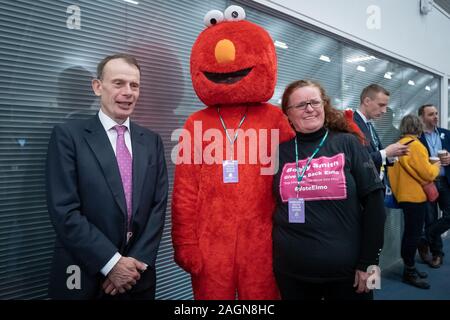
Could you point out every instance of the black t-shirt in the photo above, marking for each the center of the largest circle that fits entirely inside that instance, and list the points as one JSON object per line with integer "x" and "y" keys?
{"x": 327, "y": 246}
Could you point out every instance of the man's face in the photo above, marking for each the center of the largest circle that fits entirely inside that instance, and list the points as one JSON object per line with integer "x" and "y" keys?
{"x": 375, "y": 107}
{"x": 118, "y": 89}
{"x": 430, "y": 116}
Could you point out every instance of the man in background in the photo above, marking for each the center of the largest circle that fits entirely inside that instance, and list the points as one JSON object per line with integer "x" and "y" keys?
{"x": 436, "y": 139}
{"x": 374, "y": 100}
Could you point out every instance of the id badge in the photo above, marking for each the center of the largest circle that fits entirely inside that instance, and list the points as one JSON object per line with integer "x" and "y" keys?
{"x": 230, "y": 171}
{"x": 296, "y": 210}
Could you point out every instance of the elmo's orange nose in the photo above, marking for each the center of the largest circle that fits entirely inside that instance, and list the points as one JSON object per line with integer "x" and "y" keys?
{"x": 225, "y": 51}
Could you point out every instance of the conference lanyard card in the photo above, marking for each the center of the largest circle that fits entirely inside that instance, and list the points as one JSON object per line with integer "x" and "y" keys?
{"x": 296, "y": 210}
{"x": 230, "y": 171}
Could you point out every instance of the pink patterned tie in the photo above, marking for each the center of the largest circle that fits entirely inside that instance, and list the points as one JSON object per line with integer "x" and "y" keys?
{"x": 125, "y": 166}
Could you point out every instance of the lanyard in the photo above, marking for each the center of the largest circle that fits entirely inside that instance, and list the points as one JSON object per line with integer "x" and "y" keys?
{"x": 300, "y": 176}
{"x": 225, "y": 127}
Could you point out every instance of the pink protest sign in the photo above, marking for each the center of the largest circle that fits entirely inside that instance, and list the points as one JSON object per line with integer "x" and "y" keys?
{"x": 323, "y": 180}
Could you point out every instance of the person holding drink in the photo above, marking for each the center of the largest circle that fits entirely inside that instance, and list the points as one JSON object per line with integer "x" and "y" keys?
{"x": 437, "y": 142}
{"x": 407, "y": 177}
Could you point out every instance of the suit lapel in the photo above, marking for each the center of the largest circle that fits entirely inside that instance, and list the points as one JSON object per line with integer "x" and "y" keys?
{"x": 100, "y": 145}
{"x": 140, "y": 163}
{"x": 362, "y": 125}
{"x": 444, "y": 143}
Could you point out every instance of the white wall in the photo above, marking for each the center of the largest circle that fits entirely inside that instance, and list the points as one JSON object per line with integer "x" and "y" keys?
{"x": 422, "y": 40}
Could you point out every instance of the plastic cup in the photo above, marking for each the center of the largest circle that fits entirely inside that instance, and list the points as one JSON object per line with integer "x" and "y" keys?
{"x": 434, "y": 159}
{"x": 442, "y": 153}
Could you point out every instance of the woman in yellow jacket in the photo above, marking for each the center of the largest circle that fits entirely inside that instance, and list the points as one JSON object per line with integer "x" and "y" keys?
{"x": 407, "y": 176}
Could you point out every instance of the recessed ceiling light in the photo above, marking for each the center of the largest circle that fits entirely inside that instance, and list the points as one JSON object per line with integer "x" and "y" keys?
{"x": 360, "y": 59}
{"x": 361, "y": 68}
{"x": 325, "y": 58}
{"x": 280, "y": 44}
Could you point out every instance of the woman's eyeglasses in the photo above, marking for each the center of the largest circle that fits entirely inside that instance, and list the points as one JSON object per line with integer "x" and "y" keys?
{"x": 302, "y": 105}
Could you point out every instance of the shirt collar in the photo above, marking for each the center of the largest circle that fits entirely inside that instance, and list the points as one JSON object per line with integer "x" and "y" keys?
{"x": 435, "y": 130}
{"x": 109, "y": 123}
{"x": 363, "y": 117}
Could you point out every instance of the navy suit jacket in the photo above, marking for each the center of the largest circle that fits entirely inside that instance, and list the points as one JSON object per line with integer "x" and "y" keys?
{"x": 444, "y": 135}
{"x": 87, "y": 205}
{"x": 370, "y": 146}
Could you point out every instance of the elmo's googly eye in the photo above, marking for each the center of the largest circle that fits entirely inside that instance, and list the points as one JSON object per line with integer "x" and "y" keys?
{"x": 212, "y": 18}
{"x": 234, "y": 13}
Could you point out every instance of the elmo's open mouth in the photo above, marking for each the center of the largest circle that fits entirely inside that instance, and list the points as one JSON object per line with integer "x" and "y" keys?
{"x": 227, "y": 78}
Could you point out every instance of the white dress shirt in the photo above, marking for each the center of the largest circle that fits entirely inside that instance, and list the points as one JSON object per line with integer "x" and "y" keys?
{"x": 109, "y": 124}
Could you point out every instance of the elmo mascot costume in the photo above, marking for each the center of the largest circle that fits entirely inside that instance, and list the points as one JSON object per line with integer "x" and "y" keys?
{"x": 222, "y": 199}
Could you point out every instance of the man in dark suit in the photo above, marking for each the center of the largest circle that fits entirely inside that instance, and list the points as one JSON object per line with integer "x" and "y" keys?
{"x": 107, "y": 194}
{"x": 374, "y": 100}
{"x": 434, "y": 139}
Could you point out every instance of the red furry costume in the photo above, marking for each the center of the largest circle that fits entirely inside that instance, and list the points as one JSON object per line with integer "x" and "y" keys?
{"x": 353, "y": 127}
{"x": 222, "y": 232}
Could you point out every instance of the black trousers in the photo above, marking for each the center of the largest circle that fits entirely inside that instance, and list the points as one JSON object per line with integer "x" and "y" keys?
{"x": 147, "y": 294}
{"x": 143, "y": 295}
{"x": 414, "y": 217}
{"x": 294, "y": 289}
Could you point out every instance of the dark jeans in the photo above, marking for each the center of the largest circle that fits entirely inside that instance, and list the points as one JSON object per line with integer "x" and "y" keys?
{"x": 414, "y": 218}
{"x": 434, "y": 227}
{"x": 294, "y": 289}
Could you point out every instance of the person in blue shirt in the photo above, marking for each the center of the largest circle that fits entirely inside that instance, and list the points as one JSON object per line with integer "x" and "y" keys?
{"x": 435, "y": 138}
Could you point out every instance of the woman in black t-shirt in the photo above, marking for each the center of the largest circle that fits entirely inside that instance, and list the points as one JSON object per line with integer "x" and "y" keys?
{"x": 329, "y": 219}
